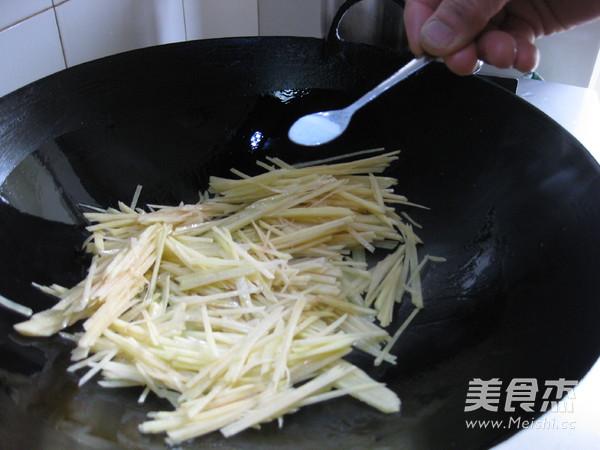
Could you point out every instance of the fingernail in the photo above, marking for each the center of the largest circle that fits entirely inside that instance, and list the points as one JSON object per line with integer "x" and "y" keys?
{"x": 437, "y": 34}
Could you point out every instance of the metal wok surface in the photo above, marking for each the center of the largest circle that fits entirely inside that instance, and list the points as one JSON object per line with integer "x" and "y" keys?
{"x": 515, "y": 209}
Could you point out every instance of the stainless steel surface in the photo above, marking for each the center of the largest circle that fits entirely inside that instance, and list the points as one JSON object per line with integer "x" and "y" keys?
{"x": 377, "y": 22}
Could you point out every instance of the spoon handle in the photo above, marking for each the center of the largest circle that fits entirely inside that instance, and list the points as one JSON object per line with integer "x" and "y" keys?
{"x": 411, "y": 67}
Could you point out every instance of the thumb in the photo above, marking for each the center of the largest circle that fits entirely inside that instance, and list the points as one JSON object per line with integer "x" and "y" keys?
{"x": 456, "y": 23}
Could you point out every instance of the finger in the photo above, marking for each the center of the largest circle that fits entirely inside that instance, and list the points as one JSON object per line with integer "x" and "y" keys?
{"x": 498, "y": 48}
{"x": 520, "y": 27}
{"x": 528, "y": 56}
{"x": 416, "y": 13}
{"x": 464, "y": 61}
{"x": 456, "y": 23}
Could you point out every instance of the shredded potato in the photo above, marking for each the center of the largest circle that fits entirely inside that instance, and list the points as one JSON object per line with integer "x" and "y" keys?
{"x": 240, "y": 309}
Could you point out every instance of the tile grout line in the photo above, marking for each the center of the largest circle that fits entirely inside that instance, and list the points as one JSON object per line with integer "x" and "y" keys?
{"x": 62, "y": 46}
{"x": 258, "y": 17}
{"x": 20, "y": 21}
{"x": 185, "y": 33}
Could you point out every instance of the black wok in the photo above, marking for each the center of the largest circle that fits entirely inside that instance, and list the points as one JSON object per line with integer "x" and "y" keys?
{"x": 515, "y": 209}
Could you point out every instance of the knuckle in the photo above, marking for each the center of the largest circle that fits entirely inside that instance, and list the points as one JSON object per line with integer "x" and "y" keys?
{"x": 475, "y": 12}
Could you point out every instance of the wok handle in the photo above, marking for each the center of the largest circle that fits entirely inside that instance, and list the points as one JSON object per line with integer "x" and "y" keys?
{"x": 333, "y": 39}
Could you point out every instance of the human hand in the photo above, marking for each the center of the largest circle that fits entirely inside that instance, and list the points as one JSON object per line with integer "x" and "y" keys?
{"x": 500, "y": 32}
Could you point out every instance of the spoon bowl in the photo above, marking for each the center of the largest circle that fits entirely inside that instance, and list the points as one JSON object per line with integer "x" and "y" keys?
{"x": 322, "y": 127}
{"x": 319, "y": 128}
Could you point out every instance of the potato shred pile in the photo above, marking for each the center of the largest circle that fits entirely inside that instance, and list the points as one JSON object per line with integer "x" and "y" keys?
{"x": 240, "y": 308}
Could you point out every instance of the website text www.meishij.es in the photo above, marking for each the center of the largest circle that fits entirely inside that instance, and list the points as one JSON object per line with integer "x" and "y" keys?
{"x": 520, "y": 423}
{"x": 517, "y": 398}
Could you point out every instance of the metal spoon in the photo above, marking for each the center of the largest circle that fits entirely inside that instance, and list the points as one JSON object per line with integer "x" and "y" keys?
{"x": 322, "y": 127}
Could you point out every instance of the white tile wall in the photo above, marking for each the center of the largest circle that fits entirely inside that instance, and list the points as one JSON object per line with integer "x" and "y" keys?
{"x": 91, "y": 29}
{"x": 31, "y": 32}
{"x": 13, "y": 11}
{"x": 28, "y": 51}
{"x": 207, "y": 19}
{"x": 290, "y": 18}
{"x": 39, "y": 37}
